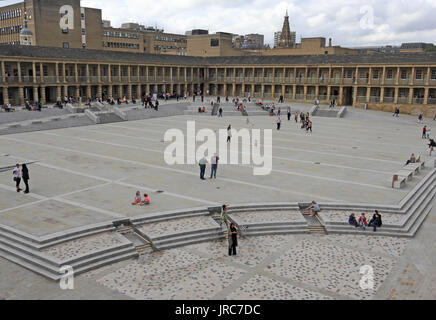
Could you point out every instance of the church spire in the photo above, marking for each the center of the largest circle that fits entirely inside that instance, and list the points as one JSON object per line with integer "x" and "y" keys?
{"x": 285, "y": 38}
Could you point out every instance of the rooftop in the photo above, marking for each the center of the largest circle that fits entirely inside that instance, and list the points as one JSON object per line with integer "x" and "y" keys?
{"x": 127, "y": 57}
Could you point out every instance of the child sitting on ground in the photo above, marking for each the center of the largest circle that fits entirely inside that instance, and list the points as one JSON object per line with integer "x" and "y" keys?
{"x": 146, "y": 200}
{"x": 137, "y": 199}
{"x": 352, "y": 220}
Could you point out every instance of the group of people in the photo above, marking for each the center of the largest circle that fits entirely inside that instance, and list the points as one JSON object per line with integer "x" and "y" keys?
{"x": 37, "y": 106}
{"x": 214, "y": 166}
{"x": 362, "y": 222}
{"x": 7, "y": 107}
{"x": 21, "y": 172}
{"x": 138, "y": 200}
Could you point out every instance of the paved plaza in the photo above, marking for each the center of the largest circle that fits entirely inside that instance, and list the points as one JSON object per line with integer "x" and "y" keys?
{"x": 86, "y": 175}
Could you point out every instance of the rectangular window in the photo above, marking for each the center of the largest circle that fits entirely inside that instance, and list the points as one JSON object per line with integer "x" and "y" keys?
{"x": 375, "y": 74}
{"x": 389, "y": 74}
{"x": 433, "y": 74}
{"x": 214, "y": 42}
{"x": 418, "y": 74}
{"x": 66, "y": 45}
{"x": 403, "y": 75}
{"x": 65, "y": 30}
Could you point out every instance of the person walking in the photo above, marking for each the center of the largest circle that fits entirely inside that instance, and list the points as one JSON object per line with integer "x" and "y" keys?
{"x": 279, "y": 122}
{"x": 203, "y": 164}
{"x": 224, "y": 217}
{"x": 229, "y": 133}
{"x": 214, "y": 166}
{"x": 420, "y": 117}
{"x": 297, "y": 115}
{"x": 289, "y": 114}
{"x": 424, "y": 132}
{"x": 220, "y": 113}
{"x": 17, "y": 177}
{"x": 26, "y": 177}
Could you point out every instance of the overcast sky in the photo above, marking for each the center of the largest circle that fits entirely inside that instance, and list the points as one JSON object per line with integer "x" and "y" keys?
{"x": 348, "y": 22}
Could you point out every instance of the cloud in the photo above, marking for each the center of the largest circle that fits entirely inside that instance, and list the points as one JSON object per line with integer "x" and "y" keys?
{"x": 394, "y": 21}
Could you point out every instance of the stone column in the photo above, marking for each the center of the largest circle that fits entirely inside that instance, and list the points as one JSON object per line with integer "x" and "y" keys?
{"x": 66, "y": 91}
{"x": 109, "y": 91}
{"x": 41, "y": 73}
{"x": 316, "y": 92}
{"x": 382, "y": 94}
{"x": 354, "y": 95}
{"x": 368, "y": 94}
{"x": 383, "y": 76}
{"x": 120, "y": 91}
{"x": 412, "y": 80}
{"x": 76, "y": 73}
{"x": 341, "y": 95}
{"x": 396, "y": 91}
{"x": 34, "y": 71}
{"x": 329, "y": 92}
{"x": 57, "y": 72}
{"x": 58, "y": 93}
{"x": 262, "y": 91}
{"x": 397, "y": 80}
{"x": 109, "y": 74}
{"x": 305, "y": 92}
{"x": 100, "y": 91}
{"x": 129, "y": 74}
{"x": 21, "y": 96}
{"x": 370, "y": 75}
{"x": 78, "y": 92}
{"x": 43, "y": 95}
{"x": 426, "y": 92}
{"x": 119, "y": 73}
{"x": 129, "y": 92}
{"x": 88, "y": 92}
{"x": 411, "y": 95}
{"x": 19, "y": 71}
{"x": 87, "y": 73}
{"x": 138, "y": 91}
{"x": 427, "y": 81}
{"x": 294, "y": 92}
{"x": 5, "y": 95}
{"x": 64, "y": 74}
{"x": 3, "y": 72}
{"x": 35, "y": 94}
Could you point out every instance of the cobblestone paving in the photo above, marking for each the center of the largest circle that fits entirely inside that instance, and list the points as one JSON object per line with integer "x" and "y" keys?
{"x": 342, "y": 216}
{"x": 263, "y": 288}
{"x": 330, "y": 267}
{"x": 386, "y": 245}
{"x": 251, "y": 251}
{"x": 268, "y": 216}
{"x": 178, "y": 225}
{"x": 281, "y": 267}
{"x": 82, "y": 246}
{"x": 196, "y": 280}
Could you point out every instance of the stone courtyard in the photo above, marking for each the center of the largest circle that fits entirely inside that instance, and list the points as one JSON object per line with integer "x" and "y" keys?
{"x": 86, "y": 175}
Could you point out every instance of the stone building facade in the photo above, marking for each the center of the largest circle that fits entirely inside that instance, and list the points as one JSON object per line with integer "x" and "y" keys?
{"x": 382, "y": 82}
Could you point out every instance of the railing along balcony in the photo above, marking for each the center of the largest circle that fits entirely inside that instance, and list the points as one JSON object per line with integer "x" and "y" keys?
{"x": 299, "y": 96}
{"x": 404, "y": 81}
{"x": 418, "y": 100}
{"x": 403, "y": 100}
{"x": 361, "y": 99}
{"x": 388, "y": 99}
{"x": 362, "y": 80}
{"x": 431, "y": 101}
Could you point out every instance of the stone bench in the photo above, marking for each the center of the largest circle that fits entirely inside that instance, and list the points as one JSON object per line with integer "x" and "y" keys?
{"x": 398, "y": 181}
{"x": 414, "y": 167}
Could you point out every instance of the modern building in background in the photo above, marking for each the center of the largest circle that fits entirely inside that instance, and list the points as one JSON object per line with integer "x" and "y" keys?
{"x": 65, "y": 24}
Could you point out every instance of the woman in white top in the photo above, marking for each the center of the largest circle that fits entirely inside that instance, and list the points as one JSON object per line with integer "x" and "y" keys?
{"x": 17, "y": 177}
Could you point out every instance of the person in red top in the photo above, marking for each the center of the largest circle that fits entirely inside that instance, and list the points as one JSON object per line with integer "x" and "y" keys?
{"x": 424, "y": 132}
{"x": 146, "y": 200}
{"x": 362, "y": 221}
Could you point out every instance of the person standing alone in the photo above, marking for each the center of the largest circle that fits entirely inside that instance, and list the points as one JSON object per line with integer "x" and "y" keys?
{"x": 17, "y": 177}
{"x": 279, "y": 122}
{"x": 202, "y": 163}
{"x": 214, "y": 166}
{"x": 26, "y": 177}
{"x": 233, "y": 239}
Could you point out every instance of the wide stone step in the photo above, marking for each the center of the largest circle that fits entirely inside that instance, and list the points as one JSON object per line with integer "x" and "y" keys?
{"x": 182, "y": 237}
{"x": 190, "y": 241}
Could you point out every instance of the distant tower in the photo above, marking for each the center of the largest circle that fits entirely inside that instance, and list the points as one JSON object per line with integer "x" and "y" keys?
{"x": 26, "y": 36}
{"x": 286, "y": 39}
